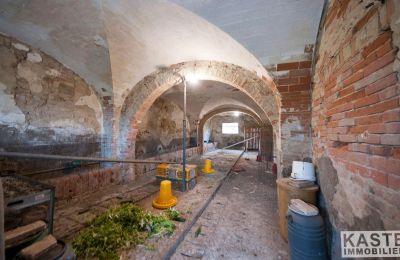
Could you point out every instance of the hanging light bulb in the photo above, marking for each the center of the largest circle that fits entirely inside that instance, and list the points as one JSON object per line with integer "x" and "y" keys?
{"x": 192, "y": 79}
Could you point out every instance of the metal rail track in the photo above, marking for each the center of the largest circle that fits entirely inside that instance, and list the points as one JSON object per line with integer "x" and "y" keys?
{"x": 183, "y": 235}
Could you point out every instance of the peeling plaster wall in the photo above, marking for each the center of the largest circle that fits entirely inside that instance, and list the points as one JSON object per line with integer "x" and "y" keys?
{"x": 356, "y": 117}
{"x": 70, "y": 31}
{"x": 223, "y": 140}
{"x": 45, "y": 107}
{"x": 161, "y": 130}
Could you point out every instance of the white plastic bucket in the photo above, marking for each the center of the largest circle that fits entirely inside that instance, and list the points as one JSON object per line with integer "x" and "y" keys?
{"x": 303, "y": 171}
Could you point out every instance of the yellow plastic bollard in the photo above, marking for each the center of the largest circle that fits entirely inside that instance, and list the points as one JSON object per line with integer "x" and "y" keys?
{"x": 165, "y": 199}
{"x": 208, "y": 167}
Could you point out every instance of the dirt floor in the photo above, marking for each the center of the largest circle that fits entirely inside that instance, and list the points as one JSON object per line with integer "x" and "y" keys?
{"x": 240, "y": 222}
{"x": 191, "y": 202}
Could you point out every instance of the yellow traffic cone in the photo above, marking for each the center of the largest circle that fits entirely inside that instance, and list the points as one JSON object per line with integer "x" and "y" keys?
{"x": 166, "y": 199}
{"x": 208, "y": 167}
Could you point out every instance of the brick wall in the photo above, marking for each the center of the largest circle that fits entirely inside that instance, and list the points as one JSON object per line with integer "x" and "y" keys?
{"x": 84, "y": 181}
{"x": 91, "y": 180}
{"x": 293, "y": 81}
{"x": 356, "y": 117}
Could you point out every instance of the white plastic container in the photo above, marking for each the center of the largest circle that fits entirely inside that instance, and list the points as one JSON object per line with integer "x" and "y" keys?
{"x": 303, "y": 171}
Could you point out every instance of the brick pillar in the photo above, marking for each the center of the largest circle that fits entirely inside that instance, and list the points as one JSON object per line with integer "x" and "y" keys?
{"x": 200, "y": 141}
{"x": 294, "y": 83}
{"x": 107, "y": 134}
{"x": 266, "y": 144}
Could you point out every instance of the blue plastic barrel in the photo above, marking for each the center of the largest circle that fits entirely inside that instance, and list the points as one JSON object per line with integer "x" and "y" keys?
{"x": 307, "y": 237}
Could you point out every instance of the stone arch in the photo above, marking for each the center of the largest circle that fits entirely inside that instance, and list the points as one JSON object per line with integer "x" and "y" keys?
{"x": 261, "y": 90}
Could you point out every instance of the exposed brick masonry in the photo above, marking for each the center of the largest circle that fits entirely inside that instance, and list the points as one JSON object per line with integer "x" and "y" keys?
{"x": 89, "y": 180}
{"x": 356, "y": 116}
{"x": 293, "y": 82}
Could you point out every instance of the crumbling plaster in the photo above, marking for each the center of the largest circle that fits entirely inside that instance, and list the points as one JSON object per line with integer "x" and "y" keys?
{"x": 45, "y": 107}
{"x": 70, "y": 31}
{"x": 38, "y": 92}
{"x": 262, "y": 91}
{"x": 160, "y": 130}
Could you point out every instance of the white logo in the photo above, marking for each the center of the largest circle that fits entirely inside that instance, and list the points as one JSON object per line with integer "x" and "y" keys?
{"x": 370, "y": 243}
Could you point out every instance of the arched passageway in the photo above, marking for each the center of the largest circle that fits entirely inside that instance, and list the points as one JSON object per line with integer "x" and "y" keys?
{"x": 264, "y": 129}
{"x": 262, "y": 91}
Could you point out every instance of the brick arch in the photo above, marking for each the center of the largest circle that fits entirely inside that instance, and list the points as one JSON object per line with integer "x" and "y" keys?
{"x": 262, "y": 90}
{"x": 217, "y": 111}
{"x": 266, "y": 127}
{"x": 233, "y": 107}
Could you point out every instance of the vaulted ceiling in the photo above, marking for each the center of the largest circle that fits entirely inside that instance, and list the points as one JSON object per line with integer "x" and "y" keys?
{"x": 206, "y": 96}
{"x": 273, "y": 31}
{"x": 114, "y": 44}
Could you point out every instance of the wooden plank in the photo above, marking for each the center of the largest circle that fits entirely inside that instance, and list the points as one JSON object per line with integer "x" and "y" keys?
{"x": 35, "y": 250}
{"x": 254, "y": 143}
{"x": 303, "y": 208}
{"x": 20, "y": 233}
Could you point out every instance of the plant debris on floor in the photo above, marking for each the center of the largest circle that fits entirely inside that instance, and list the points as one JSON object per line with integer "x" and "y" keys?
{"x": 175, "y": 215}
{"x": 122, "y": 227}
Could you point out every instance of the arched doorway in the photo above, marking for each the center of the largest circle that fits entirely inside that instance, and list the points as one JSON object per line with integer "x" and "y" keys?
{"x": 262, "y": 91}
